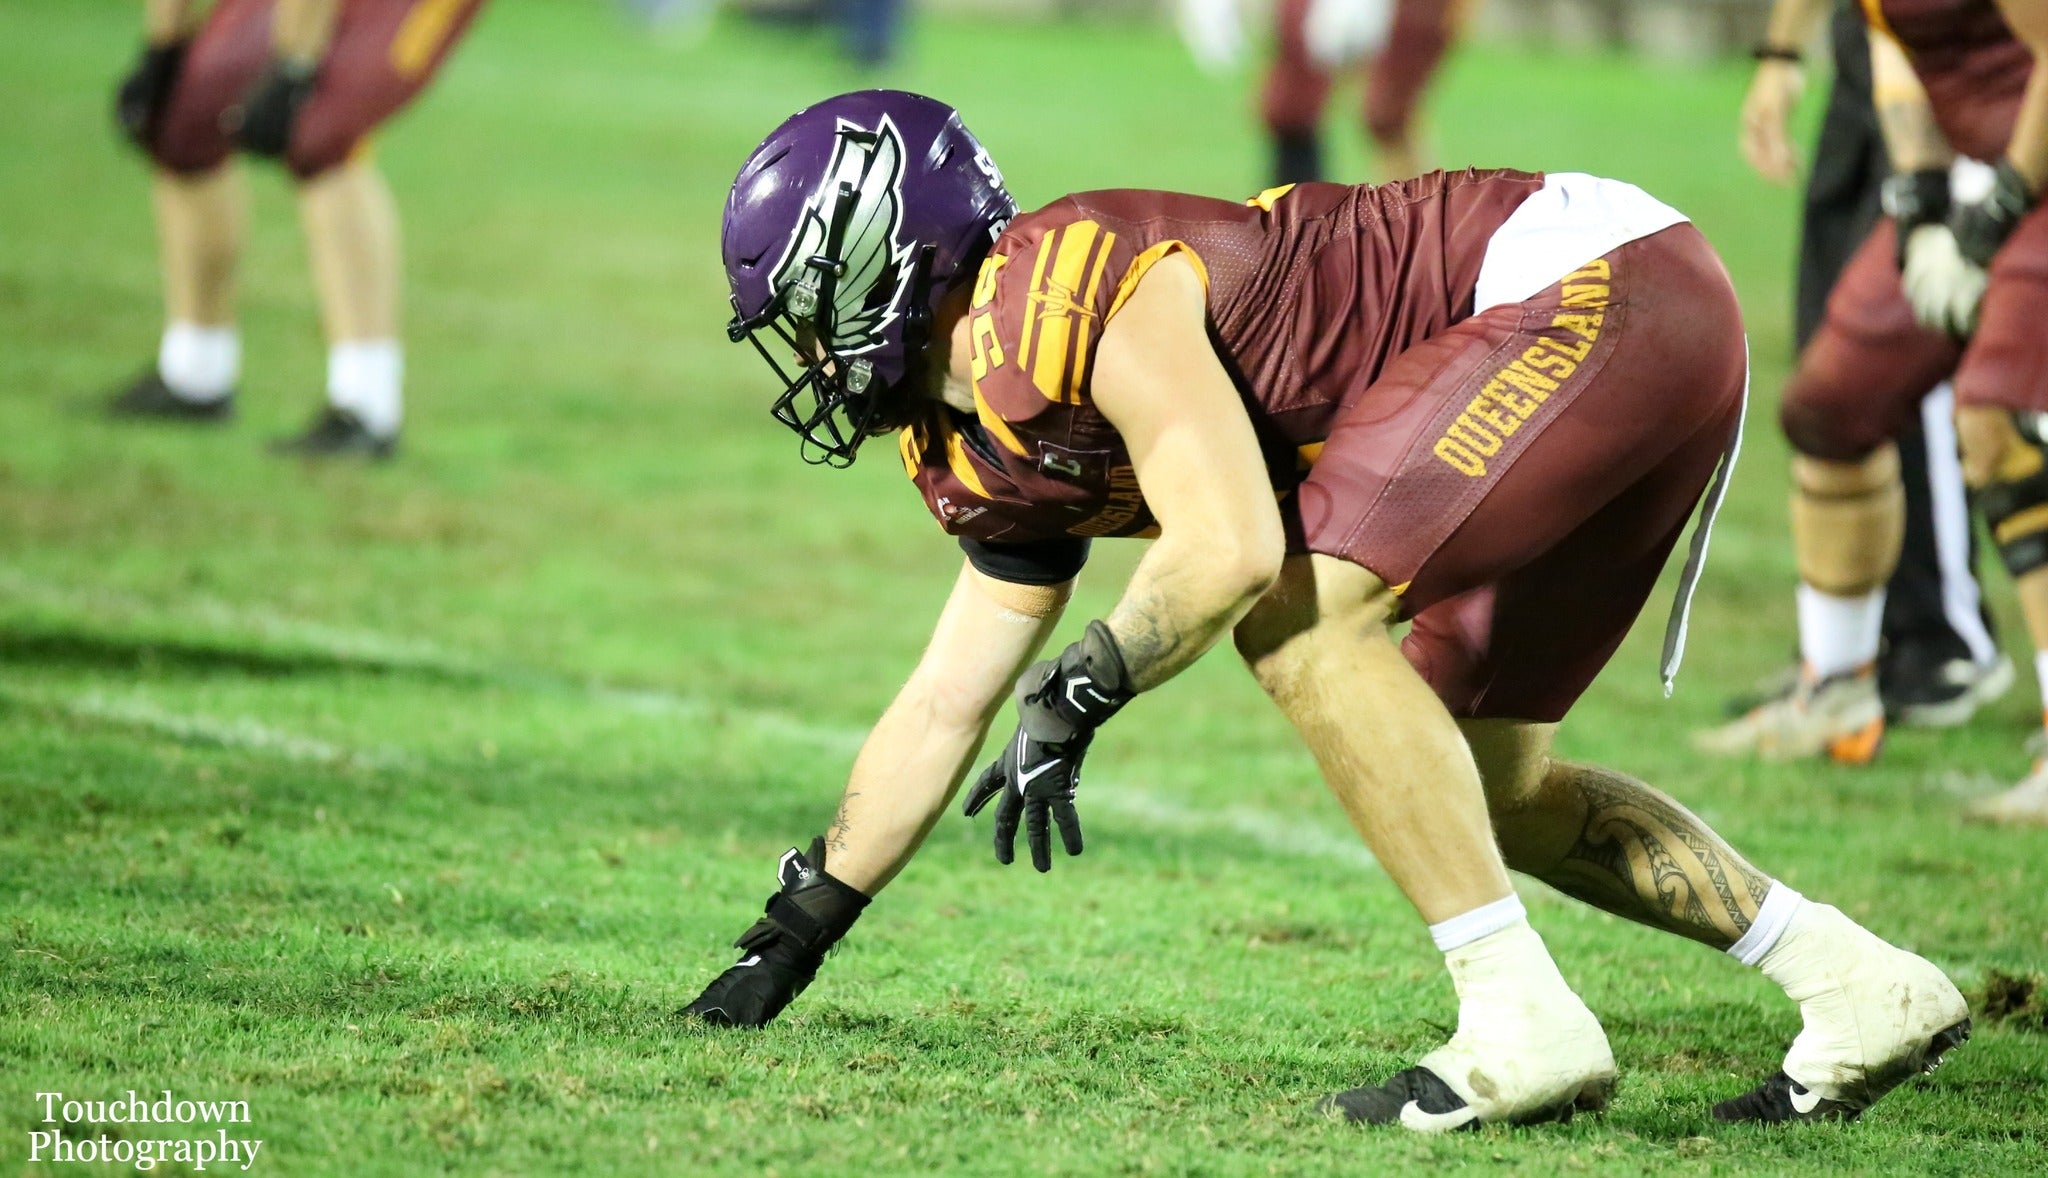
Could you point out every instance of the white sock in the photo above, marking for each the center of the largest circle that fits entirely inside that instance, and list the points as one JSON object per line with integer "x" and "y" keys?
{"x": 1780, "y": 905}
{"x": 1839, "y": 634}
{"x": 1466, "y": 927}
{"x": 364, "y": 377}
{"x": 199, "y": 363}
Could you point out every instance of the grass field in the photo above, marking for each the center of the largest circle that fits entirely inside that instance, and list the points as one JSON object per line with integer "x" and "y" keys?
{"x": 407, "y": 804}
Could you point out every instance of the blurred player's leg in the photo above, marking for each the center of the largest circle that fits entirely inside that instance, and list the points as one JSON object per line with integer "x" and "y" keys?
{"x": 1874, "y": 1015}
{"x": 2005, "y": 371}
{"x": 201, "y": 213}
{"x": 1291, "y": 101}
{"x": 379, "y": 60}
{"x": 1526, "y": 1047}
{"x": 352, "y": 235}
{"x": 1939, "y": 661}
{"x": 201, "y": 221}
{"x": 1416, "y": 42}
{"x": 1858, "y": 385}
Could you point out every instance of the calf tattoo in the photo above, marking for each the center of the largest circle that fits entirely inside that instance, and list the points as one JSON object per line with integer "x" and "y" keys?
{"x": 1645, "y": 857}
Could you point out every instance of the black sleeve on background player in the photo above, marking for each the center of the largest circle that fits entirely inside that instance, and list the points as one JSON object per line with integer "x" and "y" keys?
{"x": 1033, "y": 562}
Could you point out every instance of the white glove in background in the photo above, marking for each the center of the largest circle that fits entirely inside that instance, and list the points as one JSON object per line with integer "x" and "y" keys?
{"x": 1944, "y": 287}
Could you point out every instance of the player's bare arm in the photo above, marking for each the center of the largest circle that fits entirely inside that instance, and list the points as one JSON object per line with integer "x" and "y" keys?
{"x": 906, "y": 771}
{"x": 921, "y": 747}
{"x": 1158, "y": 381}
{"x": 1904, "y": 115}
{"x": 2028, "y": 151}
{"x": 1776, "y": 87}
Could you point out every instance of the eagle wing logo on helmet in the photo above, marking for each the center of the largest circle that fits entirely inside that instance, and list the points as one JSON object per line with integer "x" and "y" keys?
{"x": 868, "y": 295}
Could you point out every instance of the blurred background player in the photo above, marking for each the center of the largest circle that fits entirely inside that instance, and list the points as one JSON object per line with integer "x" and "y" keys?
{"x": 1939, "y": 660}
{"x": 1951, "y": 285}
{"x": 1399, "y": 44}
{"x": 304, "y": 82}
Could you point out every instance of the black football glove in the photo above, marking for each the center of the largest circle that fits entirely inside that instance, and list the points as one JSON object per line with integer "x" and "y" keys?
{"x": 1060, "y": 703}
{"x": 139, "y": 102}
{"x": 262, "y": 125}
{"x": 780, "y": 955}
{"x": 1913, "y": 199}
{"x": 1982, "y": 226}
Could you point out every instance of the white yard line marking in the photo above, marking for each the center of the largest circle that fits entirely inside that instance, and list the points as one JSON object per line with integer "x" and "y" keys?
{"x": 241, "y": 732}
{"x": 1293, "y": 836}
{"x": 1289, "y": 835}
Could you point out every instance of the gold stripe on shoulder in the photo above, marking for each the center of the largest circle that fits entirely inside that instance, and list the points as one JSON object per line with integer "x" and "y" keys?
{"x": 1270, "y": 197}
{"x": 1128, "y": 285}
{"x": 1029, "y": 333}
{"x": 1052, "y": 303}
{"x": 1085, "y": 325}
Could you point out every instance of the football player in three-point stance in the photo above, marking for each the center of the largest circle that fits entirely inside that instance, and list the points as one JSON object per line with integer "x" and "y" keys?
{"x": 305, "y": 82}
{"x": 1484, "y": 401}
{"x": 1945, "y": 288}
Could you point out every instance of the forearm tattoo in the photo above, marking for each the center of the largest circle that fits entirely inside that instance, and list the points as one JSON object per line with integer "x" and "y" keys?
{"x": 1151, "y": 639}
{"x": 1643, "y": 856}
{"x": 835, "y": 836}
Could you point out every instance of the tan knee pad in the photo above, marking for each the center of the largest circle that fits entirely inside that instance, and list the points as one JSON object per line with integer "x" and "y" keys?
{"x": 1848, "y": 521}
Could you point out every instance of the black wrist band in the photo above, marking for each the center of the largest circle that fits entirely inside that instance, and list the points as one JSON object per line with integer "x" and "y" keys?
{"x": 1777, "y": 53}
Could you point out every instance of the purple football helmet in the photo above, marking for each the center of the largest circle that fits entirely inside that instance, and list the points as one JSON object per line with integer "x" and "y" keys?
{"x": 843, "y": 231}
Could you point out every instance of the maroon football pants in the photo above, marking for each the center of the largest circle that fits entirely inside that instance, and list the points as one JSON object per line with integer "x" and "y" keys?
{"x": 384, "y": 52}
{"x": 1521, "y": 478}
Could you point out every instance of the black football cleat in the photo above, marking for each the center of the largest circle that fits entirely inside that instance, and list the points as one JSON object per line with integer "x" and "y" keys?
{"x": 1781, "y": 1098}
{"x": 337, "y": 433}
{"x": 1938, "y": 685}
{"x": 1414, "y": 1098}
{"x": 148, "y": 397}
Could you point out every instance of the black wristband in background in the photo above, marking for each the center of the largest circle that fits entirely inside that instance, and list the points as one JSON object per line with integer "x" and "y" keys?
{"x": 1913, "y": 199}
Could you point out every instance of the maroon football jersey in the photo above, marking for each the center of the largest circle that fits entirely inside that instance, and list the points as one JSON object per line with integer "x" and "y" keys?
{"x": 1311, "y": 290}
{"x": 1972, "y": 66}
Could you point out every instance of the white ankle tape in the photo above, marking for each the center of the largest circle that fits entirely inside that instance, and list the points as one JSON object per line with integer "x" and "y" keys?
{"x": 1780, "y": 905}
{"x": 1483, "y": 921}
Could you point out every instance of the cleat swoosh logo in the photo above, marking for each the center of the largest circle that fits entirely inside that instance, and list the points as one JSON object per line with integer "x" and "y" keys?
{"x": 1412, "y": 1117}
{"x": 1803, "y": 1102}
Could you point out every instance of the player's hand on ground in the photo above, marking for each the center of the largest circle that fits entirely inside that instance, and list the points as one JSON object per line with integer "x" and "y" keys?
{"x": 1774, "y": 94}
{"x": 781, "y": 953}
{"x": 1060, "y": 703}
{"x": 1944, "y": 287}
{"x": 271, "y": 108}
{"x": 140, "y": 100}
